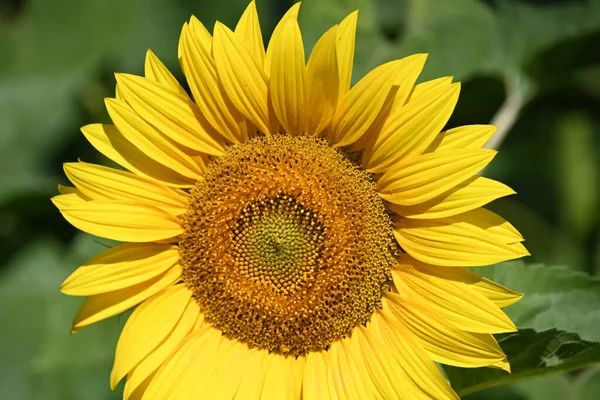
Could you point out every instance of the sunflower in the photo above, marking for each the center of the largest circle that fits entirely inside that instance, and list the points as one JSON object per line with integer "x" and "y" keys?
{"x": 285, "y": 235}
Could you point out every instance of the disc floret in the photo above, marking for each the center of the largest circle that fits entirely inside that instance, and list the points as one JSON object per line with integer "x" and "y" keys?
{"x": 287, "y": 245}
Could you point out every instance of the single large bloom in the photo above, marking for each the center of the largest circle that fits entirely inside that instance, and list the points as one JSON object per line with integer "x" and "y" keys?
{"x": 286, "y": 235}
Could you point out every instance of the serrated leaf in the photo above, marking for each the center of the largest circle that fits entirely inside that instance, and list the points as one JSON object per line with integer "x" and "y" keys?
{"x": 531, "y": 354}
{"x": 555, "y": 297}
{"x": 557, "y": 321}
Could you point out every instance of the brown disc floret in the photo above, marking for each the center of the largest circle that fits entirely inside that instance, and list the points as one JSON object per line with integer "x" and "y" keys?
{"x": 287, "y": 246}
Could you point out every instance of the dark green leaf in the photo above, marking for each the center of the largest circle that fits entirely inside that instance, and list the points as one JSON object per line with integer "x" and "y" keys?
{"x": 526, "y": 29}
{"x": 530, "y": 354}
{"x": 555, "y": 298}
{"x": 557, "y": 320}
{"x": 458, "y": 35}
{"x": 587, "y": 386}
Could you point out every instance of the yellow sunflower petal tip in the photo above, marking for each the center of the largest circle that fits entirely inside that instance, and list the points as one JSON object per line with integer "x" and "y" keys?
{"x": 421, "y": 57}
{"x": 352, "y": 17}
{"x": 272, "y": 204}
{"x": 293, "y": 11}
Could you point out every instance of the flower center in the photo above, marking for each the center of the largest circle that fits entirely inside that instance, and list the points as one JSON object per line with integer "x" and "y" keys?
{"x": 287, "y": 245}
{"x": 278, "y": 243}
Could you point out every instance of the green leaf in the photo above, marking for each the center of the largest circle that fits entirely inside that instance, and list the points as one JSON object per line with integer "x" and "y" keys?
{"x": 458, "y": 35}
{"x": 555, "y": 387}
{"x": 587, "y": 386}
{"x": 526, "y": 29}
{"x": 555, "y": 297}
{"x": 547, "y": 243}
{"x": 47, "y": 65}
{"x": 557, "y": 321}
{"x": 467, "y": 37}
{"x": 531, "y": 354}
{"x": 39, "y": 359}
{"x": 588, "y": 80}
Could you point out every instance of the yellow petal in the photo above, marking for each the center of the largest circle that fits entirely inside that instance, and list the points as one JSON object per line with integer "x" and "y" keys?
{"x": 359, "y": 107}
{"x": 200, "y": 33}
{"x": 168, "y": 111}
{"x": 297, "y": 365}
{"x": 292, "y": 13}
{"x": 443, "y": 342}
{"x": 314, "y": 385}
{"x": 463, "y": 137}
{"x": 403, "y": 87}
{"x": 417, "y": 179}
{"x": 346, "y": 35}
{"x": 104, "y": 183}
{"x": 146, "y": 328}
{"x": 454, "y": 242}
{"x": 498, "y": 294}
{"x": 248, "y": 30}
{"x": 155, "y": 70}
{"x": 176, "y": 378}
{"x": 222, "y": 380}
{"x": 287, "y": 79}
{"x": 253, "y": 379}
{"x": 385, "y": 373}
{"x": 63, "y": 201}
{"x": 454, "y": 300}
{"x": 409, "y": 130}
{"x": 353, "y": 354}
{"x": 370, "y": 136}
{"x": 62, "y": 189}
{"x": 110, "y": 142}
{"x": 468, "y": 195}
{"x": 429, "y": 87}
{"x": 503, "y": 365}
{"x": 347, "y": 380}
{"x": 426, "y": 381}
{"x": 148, "y": 366}
{"x": 335, "y": 382}
{"x": 361, "y": 384}
{"x": 278, "y": 380}
{"x": 149, "y": 140}
{"x": 201, "y": 73}
{"x": 494, "y": 224}
{"x": 105, "y": 305}
{"x": 124, "y": 222}
{"x": 322, "y": 83}
{"x": 119, "y": 267}
{"x": 138, "y": 392}
{"x": 244, "y": 82}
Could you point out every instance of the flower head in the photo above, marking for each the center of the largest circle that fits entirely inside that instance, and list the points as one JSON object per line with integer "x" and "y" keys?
{"x": 286, "y": 235}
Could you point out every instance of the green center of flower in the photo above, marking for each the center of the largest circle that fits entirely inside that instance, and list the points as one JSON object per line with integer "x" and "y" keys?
{"x": 277, "y": 243}
{"x": 287, "y": 245}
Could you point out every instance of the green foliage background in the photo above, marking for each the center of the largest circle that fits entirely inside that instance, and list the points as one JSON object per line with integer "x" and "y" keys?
{"x": 532, "y": 67}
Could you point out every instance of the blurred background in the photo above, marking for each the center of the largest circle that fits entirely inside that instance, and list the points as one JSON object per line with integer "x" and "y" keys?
{"x": 532, "y": 67}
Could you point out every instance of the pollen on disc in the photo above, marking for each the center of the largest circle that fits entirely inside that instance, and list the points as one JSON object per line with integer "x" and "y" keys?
{"x": 287, "y": 245}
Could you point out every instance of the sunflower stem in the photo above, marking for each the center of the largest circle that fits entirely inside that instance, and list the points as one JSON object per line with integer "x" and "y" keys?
{"x": 505, "y": 118}
{"x": 518, "y": 93}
